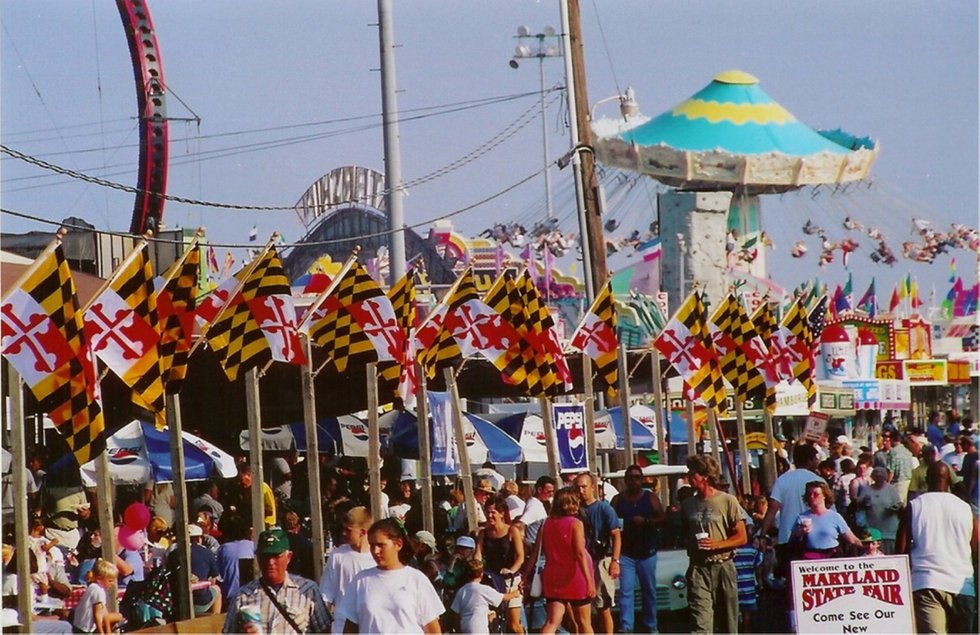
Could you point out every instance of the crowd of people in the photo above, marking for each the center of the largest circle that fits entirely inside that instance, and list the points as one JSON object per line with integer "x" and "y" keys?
{"x": 546, "y": 556}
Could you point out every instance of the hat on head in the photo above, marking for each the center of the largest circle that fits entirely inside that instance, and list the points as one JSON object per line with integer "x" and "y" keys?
{"x": 466, "y": 542}
{"x": 779, "y": 436}
{"x": 872, "y": 535}
{"x": 194, "y": 530}
{"x": 426, "y": 538}
{"x": 845, "y": 440}
{"x": 272, "y": 542}
{"x": 484, "y": 485}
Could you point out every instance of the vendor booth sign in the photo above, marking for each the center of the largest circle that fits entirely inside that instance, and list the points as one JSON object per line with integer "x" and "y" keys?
{"x": 926, "y": 372}
{"x": 853, "y": 595}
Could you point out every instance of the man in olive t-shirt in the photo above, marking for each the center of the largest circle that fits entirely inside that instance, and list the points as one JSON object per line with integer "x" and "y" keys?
{"x": 714, "y": 528}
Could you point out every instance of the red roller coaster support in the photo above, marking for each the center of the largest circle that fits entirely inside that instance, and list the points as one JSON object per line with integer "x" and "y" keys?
{"x": 151, "y": 98}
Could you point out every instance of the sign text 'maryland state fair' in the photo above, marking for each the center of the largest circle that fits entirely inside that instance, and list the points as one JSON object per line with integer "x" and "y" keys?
{"x": 853, "y": 595}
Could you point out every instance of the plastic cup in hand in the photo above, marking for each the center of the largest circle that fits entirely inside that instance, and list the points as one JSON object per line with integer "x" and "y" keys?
{"x": 806, "y": 524}
{"x": 252, "y": 614}
{"x": 701, "y": 535}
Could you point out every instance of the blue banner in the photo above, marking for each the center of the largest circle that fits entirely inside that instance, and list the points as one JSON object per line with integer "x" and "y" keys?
{"x": 445, "y": 459}
{"x": 570, "y": 433}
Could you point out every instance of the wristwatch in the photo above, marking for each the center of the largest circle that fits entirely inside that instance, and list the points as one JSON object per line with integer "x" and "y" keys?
{"x": 616, "y": 560}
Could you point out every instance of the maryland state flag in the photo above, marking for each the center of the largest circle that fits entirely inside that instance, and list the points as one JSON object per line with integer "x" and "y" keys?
{"x": 258, "y": 324}
{"x": 123, "y": 326}
{"x": 397, "y": 377}
{"x": 475, "y": 329}
{"x": 766, "y": 326}
{"x": 359, "y": 324}
{"x": 686, "y": 343}
{"x": 743, "y": 354}
{"x": 528, "y": 367}
{"x": 596, "y": 337}
{"x": 176, "y": 300}
{"x": 543, "y": 335}
{"x": 796, "y": 341}
{"x": 43, "y": 337}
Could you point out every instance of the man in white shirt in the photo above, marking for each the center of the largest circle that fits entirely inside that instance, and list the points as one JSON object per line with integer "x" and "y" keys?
{"x": 535, "y": 511}
{"x": 786, "y": 499}
{"x": 347, "y": 560}
{"x": 939, "y": 532}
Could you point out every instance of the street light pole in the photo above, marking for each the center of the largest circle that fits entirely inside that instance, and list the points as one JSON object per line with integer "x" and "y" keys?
{"x": 543, "y": 50}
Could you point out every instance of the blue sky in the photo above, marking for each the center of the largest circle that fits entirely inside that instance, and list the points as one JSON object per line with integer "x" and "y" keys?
{"x": 902, "y": 72}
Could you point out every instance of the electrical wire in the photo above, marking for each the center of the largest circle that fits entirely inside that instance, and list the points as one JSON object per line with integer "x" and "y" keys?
{"x": 316, "y": 243}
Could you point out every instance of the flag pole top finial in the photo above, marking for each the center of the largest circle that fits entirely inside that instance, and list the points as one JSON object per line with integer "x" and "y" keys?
{"x": 62, "y": 232}
{"x": 200, "y": 232}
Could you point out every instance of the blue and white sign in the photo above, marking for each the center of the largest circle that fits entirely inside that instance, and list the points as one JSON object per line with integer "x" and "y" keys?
{"x": 445, "y": 458}
{"x": 570, "y": 433}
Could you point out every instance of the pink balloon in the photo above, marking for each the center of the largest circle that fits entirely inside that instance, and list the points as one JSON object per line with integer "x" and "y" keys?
{"x": 137, "y": 516}
{"x": 131, "y": 539}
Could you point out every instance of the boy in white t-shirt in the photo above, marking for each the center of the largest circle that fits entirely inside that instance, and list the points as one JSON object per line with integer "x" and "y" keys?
{"x": 474, "y": 600}
{"x": 91, "y": 614}
{"x": 347, "y": 560}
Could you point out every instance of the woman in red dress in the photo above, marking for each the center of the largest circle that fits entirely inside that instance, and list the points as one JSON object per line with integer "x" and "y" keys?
{"x": 567, "y": 574}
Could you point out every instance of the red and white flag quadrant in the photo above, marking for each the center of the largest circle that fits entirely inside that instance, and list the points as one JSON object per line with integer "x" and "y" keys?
{"x": 118, "y": 336}
{"x": 377, "y": 319}
{"x": 31, "y": 341}
{"x": 682, "y": 349}
{"x": 479, "y": 329}
{"x": 594, "y": 337}
{"x": 276, "y": 317}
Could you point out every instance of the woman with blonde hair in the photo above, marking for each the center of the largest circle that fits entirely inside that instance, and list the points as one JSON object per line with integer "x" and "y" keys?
{"x": 567, "y": 575}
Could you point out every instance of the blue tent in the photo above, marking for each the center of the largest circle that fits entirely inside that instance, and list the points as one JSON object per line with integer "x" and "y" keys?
{"x": 643, "y": 439}
{"x": 501, "y": 447}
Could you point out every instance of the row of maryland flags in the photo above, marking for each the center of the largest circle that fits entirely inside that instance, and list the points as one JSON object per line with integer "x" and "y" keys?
{"x": 144, "y": 328}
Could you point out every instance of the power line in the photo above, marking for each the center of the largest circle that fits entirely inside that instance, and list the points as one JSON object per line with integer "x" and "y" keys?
{"x": 334, "y": 241}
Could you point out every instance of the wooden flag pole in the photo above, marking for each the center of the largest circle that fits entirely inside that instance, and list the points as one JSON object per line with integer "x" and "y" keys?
{"x": 374, "y": 440}
{"x": 425, "y": 452}
{"x": 140, "y": 246}
{"x": 550, "y": 443}
{"x": 103, "y": 489}
{"x": 465, "y": 473}
{"x": 18, "y": 463}
{"x": 185, "y": 600}
{"x": 713, "y": 435}
{"x": 770, "y": 464}
{"x": 238, "y": 289}
{"x": 743, "y": 448}
{"x": 323, "y": 295}
{"x": 624, "y": 405}
{"x": 253, "y": 414}
{"x": 312, "y": 456}
{"x": 663, "y": 449}
{"x": 179, "y": 263}
{"x": 51, "y": 246}
{"x": 589, "y": 399}
{"x": 692, "y": 448}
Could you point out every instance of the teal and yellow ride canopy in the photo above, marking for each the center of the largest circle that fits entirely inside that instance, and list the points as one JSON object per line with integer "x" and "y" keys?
{"x": 732, "y": 135}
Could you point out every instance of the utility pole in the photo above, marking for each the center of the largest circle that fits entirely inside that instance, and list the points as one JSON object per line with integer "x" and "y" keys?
{"x": 393, "y": 169}
{"x": 583, "y": 159}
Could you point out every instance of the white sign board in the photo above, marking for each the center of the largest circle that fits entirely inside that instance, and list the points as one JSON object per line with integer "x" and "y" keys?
{"x": 853, "y": 595}
{"x": 816, "y": 425}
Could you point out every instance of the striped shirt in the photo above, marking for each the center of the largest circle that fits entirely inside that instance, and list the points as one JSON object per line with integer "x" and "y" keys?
{"x": 299, "y": 596}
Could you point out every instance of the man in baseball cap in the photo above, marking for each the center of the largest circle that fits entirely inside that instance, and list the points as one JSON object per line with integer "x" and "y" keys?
{"x": 278, "y": 600}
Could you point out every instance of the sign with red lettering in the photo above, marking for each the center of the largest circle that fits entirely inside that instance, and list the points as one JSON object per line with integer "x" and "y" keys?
{"x": 853, "y": 595}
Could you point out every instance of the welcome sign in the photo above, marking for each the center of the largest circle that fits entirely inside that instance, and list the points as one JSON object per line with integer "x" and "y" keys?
{"x": 853, "y": 595}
